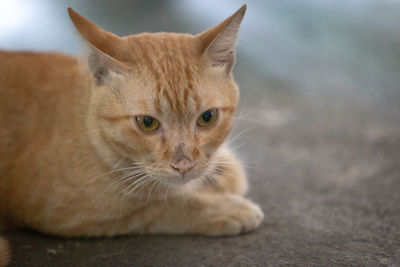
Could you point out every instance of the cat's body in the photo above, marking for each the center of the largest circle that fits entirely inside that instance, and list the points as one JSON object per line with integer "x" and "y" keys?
{"x": 74, "y": 163}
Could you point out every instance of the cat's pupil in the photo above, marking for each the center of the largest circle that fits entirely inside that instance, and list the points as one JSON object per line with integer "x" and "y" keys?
{"x": 207, "y": 115}
{"x": 147, "y": 121}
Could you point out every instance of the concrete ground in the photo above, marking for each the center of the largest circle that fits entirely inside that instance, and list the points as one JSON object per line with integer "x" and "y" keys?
{"x": 318, "y": 128}
{"x": 327, "y": 180}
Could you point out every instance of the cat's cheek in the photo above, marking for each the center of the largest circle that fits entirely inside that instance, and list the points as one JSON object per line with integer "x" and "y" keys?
{"x": 214, "y": 139}
{"x": 138, "y": 143}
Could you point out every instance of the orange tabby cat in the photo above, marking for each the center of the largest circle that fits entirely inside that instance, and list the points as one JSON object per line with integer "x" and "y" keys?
{"x": 133, "y": 144}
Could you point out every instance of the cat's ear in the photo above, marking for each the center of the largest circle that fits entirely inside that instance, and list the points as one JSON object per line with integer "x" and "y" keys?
{"x": 103, "y": 47}
{"x": 218, "y": 43}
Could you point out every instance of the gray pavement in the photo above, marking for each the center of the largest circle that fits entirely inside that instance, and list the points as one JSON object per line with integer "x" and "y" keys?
{"x": 327, "y": 180}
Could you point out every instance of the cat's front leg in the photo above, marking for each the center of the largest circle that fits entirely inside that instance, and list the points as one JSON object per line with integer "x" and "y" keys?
{"x": 226, "y": 174}
{"x": 206, "y": 214}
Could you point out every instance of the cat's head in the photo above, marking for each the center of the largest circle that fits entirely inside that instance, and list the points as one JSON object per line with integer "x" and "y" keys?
{"x": 164, "y": 101}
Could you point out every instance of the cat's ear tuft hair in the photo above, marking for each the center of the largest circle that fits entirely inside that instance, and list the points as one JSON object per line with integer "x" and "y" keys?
{"x": 218, "y": 43}
{"x": 104, "y": 45}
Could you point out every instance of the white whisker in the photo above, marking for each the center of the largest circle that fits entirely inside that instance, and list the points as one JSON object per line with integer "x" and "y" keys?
{"x": 137, "y": 185}
{"x": 151, "y": 189}
{"x": 110, "y": 172}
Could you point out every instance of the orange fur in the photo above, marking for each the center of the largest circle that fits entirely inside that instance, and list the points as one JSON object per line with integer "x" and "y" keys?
{"x": 74, "y": 163}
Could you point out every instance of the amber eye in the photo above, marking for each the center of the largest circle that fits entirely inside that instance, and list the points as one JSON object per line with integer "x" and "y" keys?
{"x": 208, "y": 118}
{"x": 147, "y": 123}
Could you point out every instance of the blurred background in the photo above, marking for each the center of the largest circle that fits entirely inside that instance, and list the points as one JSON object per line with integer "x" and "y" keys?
{"x": 319, "y": 118}
{"x": 325, "y": 66}
{"x": 342, "y": 50}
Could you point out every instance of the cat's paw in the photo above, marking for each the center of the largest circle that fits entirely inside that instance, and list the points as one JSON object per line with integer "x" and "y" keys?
{"x": 233, "y": 216}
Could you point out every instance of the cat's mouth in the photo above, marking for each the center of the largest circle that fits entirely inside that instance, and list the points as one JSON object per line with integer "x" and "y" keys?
{"x": 145, "y": 175}
{"x": 178, "y": 179}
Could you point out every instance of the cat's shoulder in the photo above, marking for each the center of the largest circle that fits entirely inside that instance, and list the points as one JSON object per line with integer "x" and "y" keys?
{"x": 37, "y": 70}
{"x": 30, "y": 60}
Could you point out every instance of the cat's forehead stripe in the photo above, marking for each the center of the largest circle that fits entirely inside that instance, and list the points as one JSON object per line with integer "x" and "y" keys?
{"x": 168, "y": 62}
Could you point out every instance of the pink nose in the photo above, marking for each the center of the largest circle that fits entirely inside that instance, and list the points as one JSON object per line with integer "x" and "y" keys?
{"x": 183, "y": 166}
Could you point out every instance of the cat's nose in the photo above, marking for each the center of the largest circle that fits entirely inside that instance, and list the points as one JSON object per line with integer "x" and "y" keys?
{"x": 183, "y": 166}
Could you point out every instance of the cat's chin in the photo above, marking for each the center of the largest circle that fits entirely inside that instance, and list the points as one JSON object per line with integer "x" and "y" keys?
{"x": 178, "y": 182}
{"x": 181, "y": 181}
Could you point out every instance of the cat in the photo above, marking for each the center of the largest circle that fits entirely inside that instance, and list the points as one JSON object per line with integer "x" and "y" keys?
{"x": 131, "y": 142}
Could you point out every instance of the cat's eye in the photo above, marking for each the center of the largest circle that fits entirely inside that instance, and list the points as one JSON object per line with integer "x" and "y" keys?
{"x": 147, "y": 123}
{"x": 208, "y": 118}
